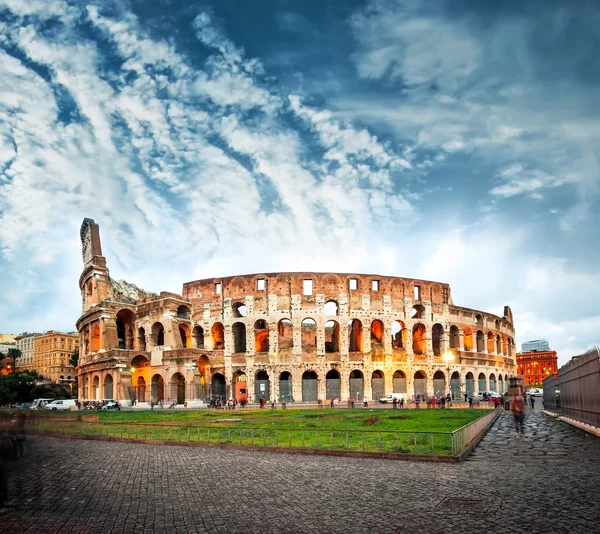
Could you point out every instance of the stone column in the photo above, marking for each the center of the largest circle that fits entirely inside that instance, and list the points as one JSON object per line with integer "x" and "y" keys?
{"x": 409, "y": 341}
{"x": 345, "y": 384}
{"x": 274, "y": 381}
{"x": 367, "y": 387}
{"x": 250, "y": 372}
{"x": 320, "y": 339}
{"x": 297, "y": 341}
{"x": 228, "y": 343}
{"x": 344, "y": 345}
{"x": 273, "y": 340}
{"x": 250, "y": 348}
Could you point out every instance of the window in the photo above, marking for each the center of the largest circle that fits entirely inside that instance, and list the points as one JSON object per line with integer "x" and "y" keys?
{"x": 353, "y": 284}
{"x": 307, "y": 287}
{"x": 218, "y": 288}
{"x": 374, "y": 285}
{"x": 261, "y": 284}
{"x": 417, "y": 293}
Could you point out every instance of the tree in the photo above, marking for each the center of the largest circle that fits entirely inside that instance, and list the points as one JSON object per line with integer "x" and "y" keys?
{"x": 74, "y": 358}
{"x": 14, "y": 353}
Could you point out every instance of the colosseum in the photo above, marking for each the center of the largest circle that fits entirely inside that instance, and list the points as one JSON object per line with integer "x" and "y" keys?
{"x": 293, "y": 337}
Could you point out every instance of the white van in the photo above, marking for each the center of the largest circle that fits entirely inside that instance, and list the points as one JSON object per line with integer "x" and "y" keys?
{"x": 61, "y": 405}
{"x": 39, "y": 404}
{"x": 535, "y": 392}
{"x": 390, "y": 397}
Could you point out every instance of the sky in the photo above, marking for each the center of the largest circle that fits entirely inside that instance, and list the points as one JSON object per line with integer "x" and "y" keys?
{"x": 455, "y": 141}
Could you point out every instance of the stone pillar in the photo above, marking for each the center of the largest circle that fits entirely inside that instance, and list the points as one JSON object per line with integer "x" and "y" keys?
{"x": 297, "y": 341}
{"x": 344, "y": 345}
{"x": 321, "y": 388}
{"x": 409, "y": 341}
{"x": 274, "y": 382}
{"x": 320, "y": 339}
{"x": 250, "y": 372}
{"x": 445, "y": 341}
{"x": 430, "y": 390}
{"x": 250, "y": 347}
{"x": 366, "y": 338}
{"x": 428, "y": 339}
{"x": 228, "y": 342}
{"x": 387, "y": 337}
{"x": 273, "y": 340}
{"x": 368, "y": 389}
{"x": 345, "y": 384}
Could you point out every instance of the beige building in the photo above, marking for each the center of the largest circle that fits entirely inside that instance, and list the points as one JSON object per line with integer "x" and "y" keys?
{"x": 24, "y": 343}
{"x": 298, "y": 337}
{"x": 51, "y": 353}
{"x": 6, "y": 339}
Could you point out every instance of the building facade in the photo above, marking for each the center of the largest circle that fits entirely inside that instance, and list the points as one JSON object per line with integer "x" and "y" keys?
{"x": 284, "y": 336}
{"x": 7, "y": 339}
{"x": 535, "y": 345}
{"x": 24, "y": 343}
{"x": 536, "y": 365}
{"x": 51, "y": 353}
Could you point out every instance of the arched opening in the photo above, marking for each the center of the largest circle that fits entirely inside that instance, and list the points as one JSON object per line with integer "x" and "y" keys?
{"x": 139, "y": 362}
{"x": 357, "y": 385}
{"x": 504, "y": 346}
{"x": 500, "y": 384}
{"x": 355, "y": 336}
{"x": 309, "y": 386}
{"x": 505, "y": 383}
{"x": 480, "y": 341}
{"x": 261, "y": 336}
{"x": 437, "y": 334}
{"x": 398, "y": 335}
{"x": 377, "y": 334}
{"x": 183, "y": 312}
{"x": 240, "y": 387}
{"x": 239, "y": 309}
{"x": 478, "y": 319}
{"x": 125, "y": 329}
{"x": 108, "y": 387}
{"x": 439, "y": 383}
{"x": 157, "y": 389}
{"x": 497, "y": 324}
{"x": 399, "y": 382}
{"x": 333, "y": 385}
{"x": 85, "y": 393}
{"x": 418, "y": 312}
{"x": 262, "y": 385}
{"x": 420, "y": 383}
{"x": 218, "y": 337}
{"x": 184, "y": 334}
{"x": 178, "y": 388}
{"x": 419, "y": 342}
{"x": 96, "y": 337}
{"x": 198, "y": 334}
{"x": 468, "y": 339}
{"x": 331, "y": 308}
{"x": 141, "y": 339}
{"x": 96, "y": 388}
{"x": 481, "y": 383}
{"x": 239, "y": 337}
{"x": 218, "y": 388}
{"x": 455, "y": 385}
{"x": 490, "y": 343}
{"x": 158, "y": 335}
{"x": 454, "y": 338}
{"x": 332, "y": 337}
{"x": 377, "y": 385}
{"x": 140, "y": 389}
{"x": 285, "y": 387}
{"x": 285, "y": 334}
{"x": 308, "y": 329}
{"x": 493, "y": 383}
{"x": 470, "y": 385}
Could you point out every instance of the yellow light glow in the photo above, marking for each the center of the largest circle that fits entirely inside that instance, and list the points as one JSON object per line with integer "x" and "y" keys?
{"x": 133, "y": 369}
{"x": 448, "y": 357}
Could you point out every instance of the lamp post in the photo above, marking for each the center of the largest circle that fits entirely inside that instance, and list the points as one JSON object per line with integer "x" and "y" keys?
{"x": 448, "y": 357}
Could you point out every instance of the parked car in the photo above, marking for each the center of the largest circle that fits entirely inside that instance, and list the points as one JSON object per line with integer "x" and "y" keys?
{"x": 22, "y": 405}
{"x": 535, "y": 392}
{"x": 64, "y": 404}
{"x": 111, "y": 405}
{"x": 391, "y": 397}
{"x": 40, "y": 404}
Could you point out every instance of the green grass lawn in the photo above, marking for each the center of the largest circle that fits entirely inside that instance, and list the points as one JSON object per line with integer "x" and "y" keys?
{"x": 371, "y": 430}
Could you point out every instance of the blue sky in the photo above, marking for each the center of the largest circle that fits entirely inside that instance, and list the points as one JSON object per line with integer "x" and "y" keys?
{"x": 456, "y": 141}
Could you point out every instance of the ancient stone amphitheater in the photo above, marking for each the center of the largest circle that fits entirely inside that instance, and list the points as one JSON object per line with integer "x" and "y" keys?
{"x": 295, "y": 337}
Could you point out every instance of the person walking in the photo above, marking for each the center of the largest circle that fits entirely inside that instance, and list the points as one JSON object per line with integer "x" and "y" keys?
{"x": 532, "y": 402}
{"x": 470, "y": 402}
{"x": 517, "y": 408}
{"x": 331, "y": 402}
{"x": 401, "y": 403}
{"x": 395, "y": 404}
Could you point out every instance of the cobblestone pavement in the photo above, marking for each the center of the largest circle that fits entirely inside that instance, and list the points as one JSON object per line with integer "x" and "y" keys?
{"x": 547, "y": 482}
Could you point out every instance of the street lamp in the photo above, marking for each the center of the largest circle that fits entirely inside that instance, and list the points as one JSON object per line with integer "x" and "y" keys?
{"x": 448, "y": 357}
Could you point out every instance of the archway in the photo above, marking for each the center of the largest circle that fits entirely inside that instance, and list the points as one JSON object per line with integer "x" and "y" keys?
{"x": 157, "y": 389}
{"x": 468, "y": 339}
{"x": 184, "y": 334}
{"x": 490, "y": 343}
{"x": 420, "y": 384}
{"x": 309, "y": 386}
{"x": 261, "y": 336}
{"x": 478, "y": 319}
{"x": 125, "y": 328}
{"x": 419, "y": 339}
{"x": 308, "y": 330}
{"x": 439, "y": 383}
{"x": 96, "y": 388}
{"x": 218, "y": 337}
{"x": 239, "y": 337}
{"x": 500, "y": 384}
{"x": 498, "y": 345}
{"x": 218, "y": 388}
{"x": 262, "y": 385}
{"x": 493, "y": 383}
{"x": 399, "y": 382}
{"x": 285, "y": 387}
{"x": 377, "y": 334}
{"x": 418, "y": 312}
{"x": 183, "y": 312}
{"x": 140, "y": 389}
{"x": 437, "y": 333}
{"x": 470, "y": 385}
{"x": 331, "y": 308}
{"x": 332, "y": 337}
{"x": 141, "y": 339}
{"x": 333, "y": 385}
{"x": 480, "y": 341}
{"x": 357, "y": 385}
{"x": 455, "y": 385}
{"x": 285, "y": 333}
{"x": 240, "y": 387}
{"x": 454, "y": 338}
{"x": 377, "y": 385}
{"x": 398, "y": 335}
{"x": 506, "y": 383}
{"x": 108, "y": 387}
{"x": 178, "y": 388}
{"x": 239, "y": 309}
{"x": 481, "y": 383}
{"x": 355, "y": 343}
{"x": 198, "y": 335}
{"x": 158, "y": 334}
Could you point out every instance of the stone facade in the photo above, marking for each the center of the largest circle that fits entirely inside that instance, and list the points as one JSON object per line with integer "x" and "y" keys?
{"x": 285, "y": 336}
{"x": 51, "y": 353}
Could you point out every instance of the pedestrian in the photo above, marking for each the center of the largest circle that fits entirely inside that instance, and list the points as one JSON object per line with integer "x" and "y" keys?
{"x": 443, "y": 402}
{"x": 331, "y": 402}
{"x": 466, "y": 397}
{"x": 395, "y": 403}
{"x": 401, "y": 403}
{"x": 470, "y": 402}
{"x": 517, "y": 407}
{"x": 417, "y": 401}
{"x": 532, "y": 402}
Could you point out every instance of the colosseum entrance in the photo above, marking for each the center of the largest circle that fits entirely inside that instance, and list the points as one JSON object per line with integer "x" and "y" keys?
{"x": 356, "y": 384}
{"x": 377, "y": 385}
{"x": 333, "y": 385}
{"x": 218, "y": 390}
{"x": 309, "y": 386}
{"x": 285, "y": 387}
{"x": 262, "y": 387}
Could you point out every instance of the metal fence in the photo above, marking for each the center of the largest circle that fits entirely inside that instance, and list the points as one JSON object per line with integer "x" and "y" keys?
{"x": 551, "y": 394}
{"x": 579, "y": 384}
{"x": 372, "y": 441}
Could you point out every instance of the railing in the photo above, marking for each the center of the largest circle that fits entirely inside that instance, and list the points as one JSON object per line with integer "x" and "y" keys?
{"x": 369, "y": 441}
